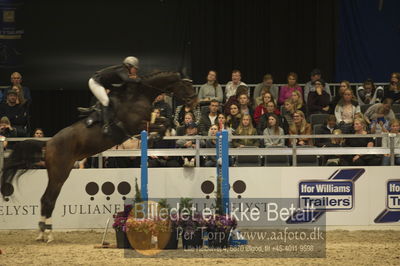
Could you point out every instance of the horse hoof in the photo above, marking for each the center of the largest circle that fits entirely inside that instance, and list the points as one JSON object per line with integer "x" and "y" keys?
{"x": 50, "y": 239}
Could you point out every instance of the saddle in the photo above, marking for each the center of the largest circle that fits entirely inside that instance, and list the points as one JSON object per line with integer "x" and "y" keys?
{"x": 114, "y": 129}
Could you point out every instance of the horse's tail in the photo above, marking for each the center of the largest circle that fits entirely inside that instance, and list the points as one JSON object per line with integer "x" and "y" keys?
{"x": 24, "y": 157}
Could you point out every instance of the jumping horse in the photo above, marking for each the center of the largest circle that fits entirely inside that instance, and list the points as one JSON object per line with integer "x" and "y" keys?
{"x": 132, "y": 110}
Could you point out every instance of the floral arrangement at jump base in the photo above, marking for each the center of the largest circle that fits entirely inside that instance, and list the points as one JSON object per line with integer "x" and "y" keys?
{"x": 119, "y": 225}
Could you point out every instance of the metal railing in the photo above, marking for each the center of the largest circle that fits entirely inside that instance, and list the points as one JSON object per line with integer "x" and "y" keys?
{"x": 292, "y": 151}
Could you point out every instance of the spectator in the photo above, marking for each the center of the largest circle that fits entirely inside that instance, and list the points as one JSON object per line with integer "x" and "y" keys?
{"x": 222, "y": 124}
{"x": 395, "y": 129}
{"x": 286, "y": 91}
{"x": 7, "y": 131}
{"x": 209, "y": 119}
{"x": 328, "y": 128}
{"x": 125, "y": 162}
{"x": 310, "y": 86}
{"x": 245, "y": 129}
{"x": 369, "y": 93}
{"x": 38, "y": 133}
{"x": 300, "y": 127}
{"x": 345, "y": 110}
{"x": 235, "y": 98}
{"x": 344, "y": 85}
{"x": 273, "y": 129}
{"x": 288, "y": 111}
{"x": 20, "y": 94}
{"x": 262, "y": 107}
{"x": 180, "y": 112}
{"x": 164, "y": 161}
{"x": 244, "y": 104}
{"x": 297, "y": 100}
{"x": 393, "y": 91}
{"x": 266, "y": 86}
{"x": 318, "y": 99}
{"x": 234, "y": 117}
{"x": 211, "y": 161}
{"x": 191, "y": 130}
{"x": 16, "y": 80}
{"x": 188, "y": 118}
{"x": 211, "y": 90}
{"x": 231, "y": 86}
{"x": 335, "y": 160}
{"x": 17, "y": 113}
{"x": 380, "y": 112}
{"x": 165, "y": 108}
{"x": 271, "y": 109}
{"x": 361, "y": 159}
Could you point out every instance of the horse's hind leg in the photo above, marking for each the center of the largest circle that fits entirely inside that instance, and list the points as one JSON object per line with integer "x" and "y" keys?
{"x": 58, "y": 174}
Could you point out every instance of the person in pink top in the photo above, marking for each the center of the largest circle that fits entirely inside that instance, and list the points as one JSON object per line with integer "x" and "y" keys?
{"x": 286, "y": 91}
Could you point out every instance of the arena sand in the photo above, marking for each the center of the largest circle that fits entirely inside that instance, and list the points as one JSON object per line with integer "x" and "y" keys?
{"x": 77, "y": 248}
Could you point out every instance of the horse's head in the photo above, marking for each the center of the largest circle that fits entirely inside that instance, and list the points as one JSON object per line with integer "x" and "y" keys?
{"x": 171, "y": 82}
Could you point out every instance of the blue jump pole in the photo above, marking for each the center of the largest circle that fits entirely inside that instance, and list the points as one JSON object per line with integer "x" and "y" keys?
{"x": 222, "y": 152}
{"x": 143, "y": 167}
{"x": 225, "y": 171}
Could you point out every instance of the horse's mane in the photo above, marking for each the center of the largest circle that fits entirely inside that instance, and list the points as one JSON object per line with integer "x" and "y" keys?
{"x": 158, "y": 74}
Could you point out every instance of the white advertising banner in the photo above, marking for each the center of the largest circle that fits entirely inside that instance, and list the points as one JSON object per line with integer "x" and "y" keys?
{"x": 347, "y": 196}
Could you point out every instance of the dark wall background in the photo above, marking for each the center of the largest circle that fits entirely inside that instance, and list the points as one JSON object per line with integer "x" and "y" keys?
{"x": 369, "y": 40}
{"x": 66, "y": 41}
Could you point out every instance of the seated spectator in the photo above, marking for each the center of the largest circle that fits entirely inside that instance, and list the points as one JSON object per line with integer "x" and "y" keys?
{"x": 266, "y": 86}
{"x": 125, "y": 162}
{"x": 16, "y": 80}
{"x": 380, "y": 124}
{"x": 180, "y": 112}
{"x": 286, "y": 91}
{"x": 310, "y": 86}
{"x": 273, "y": 129}
{"x": 345, "y": 110}
{"x": 191, "y": 130}
{"x": 211, "y": 161}
{"x": 245, "y": 129}
{"x": 211, "y": 90}
{"x": 297, "y": 100}
{"x": 288, "y": 111}
{"x": 38, "y": 133}
{"x": 380, "y": 112}
{"x": 361, "y": 159}
{"x": 344, "y": 85}
{"x": 262, "y": 107}
{"x": 235, "y": 98}
{"x": 271, "y": 109}
{"x": 222, "y": 124}
{"x": 369, "y": 93}
{"x": 318, "y": 99}
{"x": 335, "y": 160}
{"x": 210, "y": 118}
{"x": 189, "y": 118}
{"x": 231, "y": 86}
{"x": 245, "y": 105}
{"x": 395, "y": 129}
{"x": 7, "y": 131}
{"x": 300, "y": 127}
{"x": 234, "y": 116}
{"x": 328, "y": 128}
{"x": 393, "y": 90}
{"x": 165, "y": 108}
{"x": 17, "y": 113}
{"x": 164, "y": 161}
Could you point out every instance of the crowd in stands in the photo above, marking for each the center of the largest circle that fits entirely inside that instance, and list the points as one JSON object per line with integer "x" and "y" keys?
{"x": 268, "y": 110}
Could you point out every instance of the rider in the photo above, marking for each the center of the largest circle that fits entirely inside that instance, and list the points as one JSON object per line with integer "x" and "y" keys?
{"x": 111, "y": 78}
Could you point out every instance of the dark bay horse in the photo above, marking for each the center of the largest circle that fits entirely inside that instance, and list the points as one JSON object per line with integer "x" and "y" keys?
{"x": 132, "y": 109}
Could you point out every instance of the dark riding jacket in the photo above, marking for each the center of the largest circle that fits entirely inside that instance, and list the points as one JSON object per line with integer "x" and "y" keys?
{"x": 113, "y": 76}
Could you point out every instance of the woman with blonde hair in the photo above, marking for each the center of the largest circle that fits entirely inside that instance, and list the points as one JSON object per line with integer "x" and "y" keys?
{"x": 394, "y": 129}
{"x": 298, "y": 101}
{"x": 300, "y": 127}
{"x": 345, "y": 110}
{"x": 245, "y": 128}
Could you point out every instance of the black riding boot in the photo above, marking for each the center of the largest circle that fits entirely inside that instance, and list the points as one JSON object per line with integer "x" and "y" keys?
{"x": 106, "y": 112}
